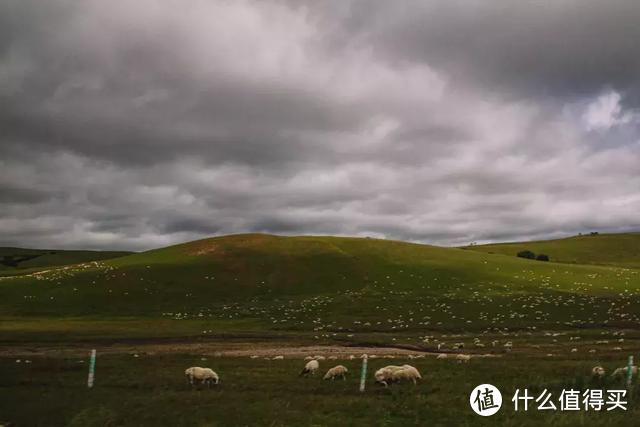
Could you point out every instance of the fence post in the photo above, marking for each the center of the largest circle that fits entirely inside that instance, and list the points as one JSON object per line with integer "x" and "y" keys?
{"x": 92, "y": 368}
{"x": 629, "y": 371}
{"x": 363, "y": 374}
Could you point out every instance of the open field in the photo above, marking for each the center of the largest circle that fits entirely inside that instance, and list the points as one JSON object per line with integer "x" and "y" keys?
{"x": 150, "y": 390}
{"x": 22, "y": 261}
{"x": 622, "y": 249}
{"x": 225, "y": 299}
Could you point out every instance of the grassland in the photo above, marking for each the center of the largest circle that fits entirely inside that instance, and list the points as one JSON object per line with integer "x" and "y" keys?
{"x": 20, "y": 261}
{"x": 150, "y": 390}
{"x": 178, "y": 304}
{"x": 621, "y": 249}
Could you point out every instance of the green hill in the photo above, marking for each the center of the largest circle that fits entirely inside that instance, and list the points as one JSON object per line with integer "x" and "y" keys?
{"x": 12, "y": 260}
{"x": 327, "y": 285}
{"x": 622, "y": 249}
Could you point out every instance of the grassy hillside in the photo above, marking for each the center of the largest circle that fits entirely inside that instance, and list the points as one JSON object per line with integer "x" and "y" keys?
{"x": 622, "y": 249}
{"x": 14, "y": 260}
{"x": 329, "y": 286}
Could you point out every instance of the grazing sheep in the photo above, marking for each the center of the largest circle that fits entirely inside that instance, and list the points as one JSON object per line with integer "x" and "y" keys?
{"x": 308, "y": 358}
{"x": 598, "y": 371}
{"x": 333, "y": 357}
{"x": 411, "y": 373}
{"x": 319, "y": 357}
{"x": 385, "y": 375}
{"x": 204, "y": 375}
{"x": 278, "y": 358}
{"x": 621, "y": 371}
{"x": 458, "y": 346}
{"x": 310, "y": 368}
{"x": 463, "y": 358}
{"x": 255, "y": 356}
{"x": 574, "y": 350}
{"x": 442, "y": 356}
{"x": 336, "y": 372}
{"x": 392, "y": 373}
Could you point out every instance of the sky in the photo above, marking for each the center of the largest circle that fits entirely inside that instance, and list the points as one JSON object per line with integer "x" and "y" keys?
{"x": 140, "y": 124}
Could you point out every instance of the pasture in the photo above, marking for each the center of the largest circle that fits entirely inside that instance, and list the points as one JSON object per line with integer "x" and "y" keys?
{"x": 217, "y": 302}
{"x": 150, "y": 390}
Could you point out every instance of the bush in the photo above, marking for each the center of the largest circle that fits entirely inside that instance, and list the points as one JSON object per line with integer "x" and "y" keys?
{"x": 542, "y": 257}
{"x": 527, "y": 254}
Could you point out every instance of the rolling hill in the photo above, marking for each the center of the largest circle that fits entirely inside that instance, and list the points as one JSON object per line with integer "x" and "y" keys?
{"x": 621, "y": 249}
{"x": 328, "y": 285}
{"x": 13, "y": 260}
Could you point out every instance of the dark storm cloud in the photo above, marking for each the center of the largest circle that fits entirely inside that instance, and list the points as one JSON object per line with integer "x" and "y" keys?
{"x": 563, "y": 48}
{"x": 140, "y": 124}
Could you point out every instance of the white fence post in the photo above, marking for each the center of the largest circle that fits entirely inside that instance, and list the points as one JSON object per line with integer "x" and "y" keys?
{"x": 92, "y": 368}
{"x": 363, "y": 374}
{"x": 629, "y": 371}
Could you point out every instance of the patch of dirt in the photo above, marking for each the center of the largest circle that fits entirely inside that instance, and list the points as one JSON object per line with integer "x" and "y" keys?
{"x": 236, "y": 349}
{"x": 205, "y": 248}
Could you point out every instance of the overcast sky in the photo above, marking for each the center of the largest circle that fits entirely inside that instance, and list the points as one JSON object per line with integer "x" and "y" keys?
{"x": 137, "y": 124}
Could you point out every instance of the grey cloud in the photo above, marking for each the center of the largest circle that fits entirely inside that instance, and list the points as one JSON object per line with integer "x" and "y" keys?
{"x": 136, "y": 125}
{"x": 564, "y": 48}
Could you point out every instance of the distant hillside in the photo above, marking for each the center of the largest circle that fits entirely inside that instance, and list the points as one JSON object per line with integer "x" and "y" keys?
{"x": 622, "y": 249}
{"x": 19, "y": 259}
{"x": 266, "y": 282}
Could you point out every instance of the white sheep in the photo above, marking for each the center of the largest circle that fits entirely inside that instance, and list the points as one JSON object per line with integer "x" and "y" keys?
{"x": 204, "y": 375}
{"x": 308, "y": 358}
{"x": 410, "y": 373}
{"x": 442, "y": 356}
{"x": 598, "y": 371}
{"x": 319, "y": 357}
{"x": 278, "y": 358}
{"x": 385, "y": 375}
{"x": 392, "y": 373}
{"x": 336, "y": 372}
{"x": 310, "y": 368}
{"x": 621, "y": 371}
{"x": 463, "y": 358}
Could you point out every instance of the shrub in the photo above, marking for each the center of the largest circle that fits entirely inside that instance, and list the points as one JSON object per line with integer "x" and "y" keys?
{"x": 527, "y": 254}
{"x": 542, "y": 257}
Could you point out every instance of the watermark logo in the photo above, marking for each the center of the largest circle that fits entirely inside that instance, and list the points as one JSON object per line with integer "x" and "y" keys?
{"x": 485, "y": 400}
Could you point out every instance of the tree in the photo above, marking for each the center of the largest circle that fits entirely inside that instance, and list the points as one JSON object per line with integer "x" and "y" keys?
{"x": 527, "y": 254}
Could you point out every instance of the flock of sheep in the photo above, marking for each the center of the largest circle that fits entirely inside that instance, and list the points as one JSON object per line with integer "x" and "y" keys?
{"x": 383, "y": 376}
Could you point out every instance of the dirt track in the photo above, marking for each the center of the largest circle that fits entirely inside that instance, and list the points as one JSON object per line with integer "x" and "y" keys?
{"x": 263, "y": 350}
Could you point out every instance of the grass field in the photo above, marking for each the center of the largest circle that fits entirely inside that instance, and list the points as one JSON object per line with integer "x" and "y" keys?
{"x": 150, "y": 390}
{"x": 21, "y": 261}
{"x": 176, "y": 305}
{"x": 622, "y": 249}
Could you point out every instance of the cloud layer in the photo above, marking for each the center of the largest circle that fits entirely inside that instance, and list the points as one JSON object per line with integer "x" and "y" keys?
{"x": 139, "y": 124}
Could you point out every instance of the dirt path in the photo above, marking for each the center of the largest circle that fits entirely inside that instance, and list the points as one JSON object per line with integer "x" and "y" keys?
{"x": 235, "y": 349}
